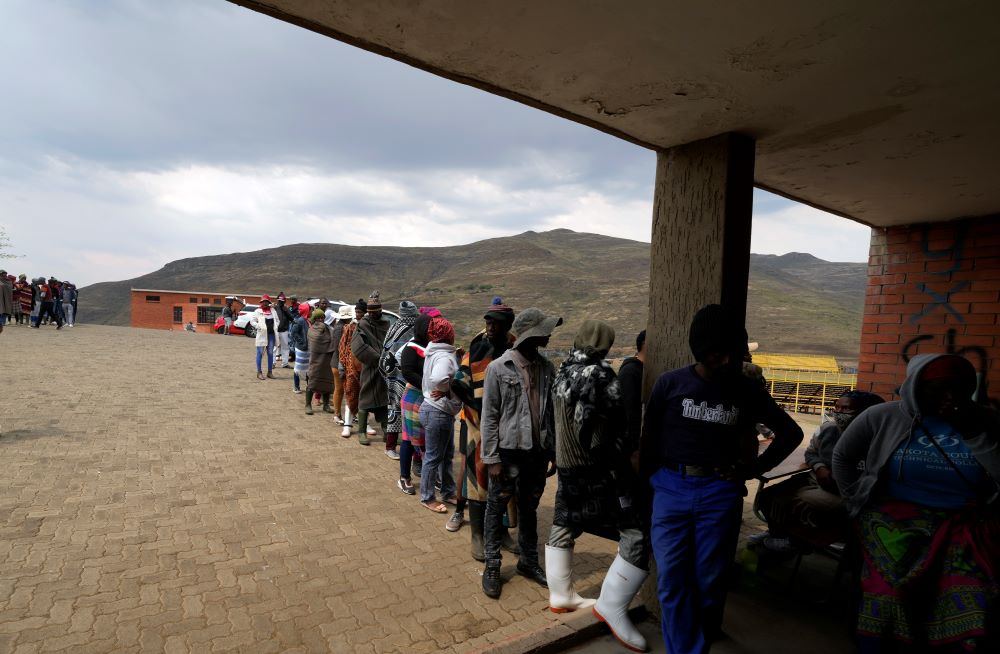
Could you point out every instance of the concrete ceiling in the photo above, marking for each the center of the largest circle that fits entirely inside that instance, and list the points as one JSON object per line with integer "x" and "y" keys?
{"x": 885, "y": 112}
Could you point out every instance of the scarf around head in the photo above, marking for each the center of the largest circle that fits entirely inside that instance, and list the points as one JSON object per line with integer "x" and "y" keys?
{"x": 585, "y": 381}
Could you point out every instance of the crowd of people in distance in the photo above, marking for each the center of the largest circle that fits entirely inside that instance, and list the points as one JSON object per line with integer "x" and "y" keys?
{"x": 914, "y": 481}
{"x": 38, "y": 302}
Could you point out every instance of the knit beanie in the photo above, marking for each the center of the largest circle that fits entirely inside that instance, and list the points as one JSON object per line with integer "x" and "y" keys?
{"x": 441, "y": 331}
{"x": 361, "y": 305}
{"x": 318, "y": 314}
{"x": 432, "y": 312}
{"x": 374, "y": 303}
{"x": 408, "y": 309}
{"x": 499, "y": 311}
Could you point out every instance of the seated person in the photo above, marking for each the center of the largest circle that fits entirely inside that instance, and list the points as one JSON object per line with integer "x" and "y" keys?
{"x": 808, "y": 506}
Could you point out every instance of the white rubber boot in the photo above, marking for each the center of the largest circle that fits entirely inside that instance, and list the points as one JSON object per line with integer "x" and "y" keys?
{"x": 346, "y": 431}
{"x": 620, "y": 586}
{"x": 559, "y": 574}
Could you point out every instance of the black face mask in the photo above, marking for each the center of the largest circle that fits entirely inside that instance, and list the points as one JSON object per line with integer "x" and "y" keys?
{"x": 842, "y": 420}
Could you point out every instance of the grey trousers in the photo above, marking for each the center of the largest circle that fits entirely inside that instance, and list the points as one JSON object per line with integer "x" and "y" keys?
{"x": 633, "y": 546}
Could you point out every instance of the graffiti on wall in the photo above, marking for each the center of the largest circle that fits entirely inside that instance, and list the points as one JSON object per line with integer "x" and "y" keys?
{"x": 941, "y": 300}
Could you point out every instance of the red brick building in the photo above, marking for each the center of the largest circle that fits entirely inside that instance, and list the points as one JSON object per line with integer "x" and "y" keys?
{"x": 158, "y": 309}
{"x": 932, "y": 288}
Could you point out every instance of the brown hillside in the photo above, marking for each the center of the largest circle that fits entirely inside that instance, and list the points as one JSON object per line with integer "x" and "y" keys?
{"x": 797, "y": 302}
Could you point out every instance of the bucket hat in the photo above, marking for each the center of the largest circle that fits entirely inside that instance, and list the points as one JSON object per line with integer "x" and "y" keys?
{"x": 533, "y": 322}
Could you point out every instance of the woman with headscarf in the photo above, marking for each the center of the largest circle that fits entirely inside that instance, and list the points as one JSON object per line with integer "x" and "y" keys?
{"x": 298, "y": 340}
{"x": 322, "y": 347}
{"x": 396, "y": 338}
{"x": 264, "y": 320}
{"x": 437, "y": 415}
{"x": 808, "y": 506}
{"x": 595, "y": 479}
{"x": 921, "y": 477}
{"x": 411, "y": 366}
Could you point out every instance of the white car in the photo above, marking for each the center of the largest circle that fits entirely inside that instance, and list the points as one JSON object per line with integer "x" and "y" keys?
{"x": 243, "y": 319}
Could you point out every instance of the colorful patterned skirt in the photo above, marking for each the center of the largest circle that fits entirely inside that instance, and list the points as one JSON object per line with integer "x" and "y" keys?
{"x": 409, "y": 406}
{"x": 930, "y": 577}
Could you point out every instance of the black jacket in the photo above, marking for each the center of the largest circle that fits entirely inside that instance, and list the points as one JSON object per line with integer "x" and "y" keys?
{"x": 630, "y": 378}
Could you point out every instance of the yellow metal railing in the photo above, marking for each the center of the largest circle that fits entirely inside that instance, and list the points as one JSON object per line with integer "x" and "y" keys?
{"x": 807, "y": 391}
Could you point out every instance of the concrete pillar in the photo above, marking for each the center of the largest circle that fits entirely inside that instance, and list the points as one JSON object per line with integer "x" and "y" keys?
{"x": 702, "y": 206}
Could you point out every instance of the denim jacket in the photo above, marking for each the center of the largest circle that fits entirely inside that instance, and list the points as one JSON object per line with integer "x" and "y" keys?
{"x": 506, "y": 416}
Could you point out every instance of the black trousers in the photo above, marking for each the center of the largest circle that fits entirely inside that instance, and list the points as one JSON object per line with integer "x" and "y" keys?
{"x": 49, "y": 309}
{"x": 524, "y": 475}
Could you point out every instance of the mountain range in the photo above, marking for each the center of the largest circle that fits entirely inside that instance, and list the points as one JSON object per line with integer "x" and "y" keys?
{"x": 796, "y": 303}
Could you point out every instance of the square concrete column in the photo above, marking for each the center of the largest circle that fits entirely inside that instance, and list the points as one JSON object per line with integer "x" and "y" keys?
{"x": 702, "y": 206}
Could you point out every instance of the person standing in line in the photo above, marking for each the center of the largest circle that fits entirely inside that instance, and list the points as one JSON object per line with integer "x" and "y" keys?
{"x": 411, "y": 366}
{"x": 6, "y": 299}
{"x": 486, "y": 346}
{"x": 518, "y": 442}
{"x": 596, "y": 482}
{"x": 66, "y": 292}
{"x": 322, "y": 348}
{"x": 630, "y": 377}
{"x": 395, "y": 339}
{"x": 352, "y": 367}
{"x": 366, "y": 346}
{"x": 437, "y": 415}
{"x": 298, "y": 338}
{"x": 22, "y": 296}
{"x": 227, "y": 316}
{"x": 264, "y": 321}
{"x": 696, "y": 421}
{"x": 285, "y": 318}
{"x": 342, "y": 318}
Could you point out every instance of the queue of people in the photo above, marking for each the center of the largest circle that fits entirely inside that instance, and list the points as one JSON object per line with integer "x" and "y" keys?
{"x": 916, "y": 480}
{"x": 37, "y": 302}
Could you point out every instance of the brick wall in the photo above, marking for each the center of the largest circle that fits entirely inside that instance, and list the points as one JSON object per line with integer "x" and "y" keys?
{"x": 932, "y": 288}
{"x": 160, "y": 315}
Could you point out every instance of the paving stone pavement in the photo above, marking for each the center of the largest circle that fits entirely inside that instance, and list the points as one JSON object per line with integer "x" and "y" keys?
{"x": 158, "y": 498}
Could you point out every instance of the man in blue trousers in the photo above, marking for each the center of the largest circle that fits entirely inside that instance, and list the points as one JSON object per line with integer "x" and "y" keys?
{"x": 696, "y": 419}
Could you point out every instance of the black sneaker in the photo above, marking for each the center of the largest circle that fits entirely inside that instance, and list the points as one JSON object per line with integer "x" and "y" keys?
{"x": 534, "y": 572}
{"x": 492, "y": 585}
{"x": 405, "y": 486}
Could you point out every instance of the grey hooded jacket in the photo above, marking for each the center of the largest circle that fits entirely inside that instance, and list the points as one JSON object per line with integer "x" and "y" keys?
{"x": 864, "y": 449}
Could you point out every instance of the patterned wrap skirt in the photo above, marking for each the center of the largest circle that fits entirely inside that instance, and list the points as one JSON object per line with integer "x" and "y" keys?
{"x": 931, "y": 577}
{"x": 301, "y": 362}
{"x": 396, "y": 387}
{"x": 409, "y": 404}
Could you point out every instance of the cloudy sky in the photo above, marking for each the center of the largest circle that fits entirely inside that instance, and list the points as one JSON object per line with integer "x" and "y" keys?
{"x": 133, "y": 133}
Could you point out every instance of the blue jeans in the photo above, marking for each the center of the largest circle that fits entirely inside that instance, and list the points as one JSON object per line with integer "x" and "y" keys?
{"x": 270, "y": 353}
{"x": 695, "y": 529}
{"x": 439, "y": 450}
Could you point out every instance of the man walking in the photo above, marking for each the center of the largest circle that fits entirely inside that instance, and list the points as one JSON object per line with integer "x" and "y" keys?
{"x": 366, "y": 345}
{"x": 518, "y": 442}
{"x": 696, "y": 419}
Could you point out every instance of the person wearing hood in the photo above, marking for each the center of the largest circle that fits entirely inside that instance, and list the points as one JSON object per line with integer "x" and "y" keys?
{"x": 593, "y": 457}
{"x": 298, "y": 338}
{"x": 6, "y": 299}
{"x": 697, "y": 420}
{"x": 395, "y": 340}
{"x": 437, "y": 415}
{"x": 411, "y": 366}
{"x": 322, "y": 348}
{"x": 366, "y": 346}
{"x": 921, "y": 477}
{"x": 808, "y": 505}
{"x": 68, "y": 294}
{"x": 351, "y": 367}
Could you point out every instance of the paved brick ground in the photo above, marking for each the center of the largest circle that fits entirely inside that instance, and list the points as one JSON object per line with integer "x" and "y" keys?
{"x": 157, "y": 497}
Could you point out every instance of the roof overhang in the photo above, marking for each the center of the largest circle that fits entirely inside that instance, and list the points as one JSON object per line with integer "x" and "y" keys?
{"x": 884, "y": 112}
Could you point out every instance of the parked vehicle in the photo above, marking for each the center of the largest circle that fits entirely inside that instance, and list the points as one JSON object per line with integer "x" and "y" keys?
{"x": 220, "y": 327}
{"x": 242, "y": 321}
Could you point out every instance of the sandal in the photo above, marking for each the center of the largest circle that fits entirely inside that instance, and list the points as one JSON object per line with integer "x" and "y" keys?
{"x": 434, "y": 506}
{"x": 260, "y": 375}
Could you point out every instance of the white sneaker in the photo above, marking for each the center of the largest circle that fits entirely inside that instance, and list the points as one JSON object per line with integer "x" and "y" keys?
{"x": 392, "y": 454}
{"x": 297, "y": 391}
{"x": 370, "y": 431}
